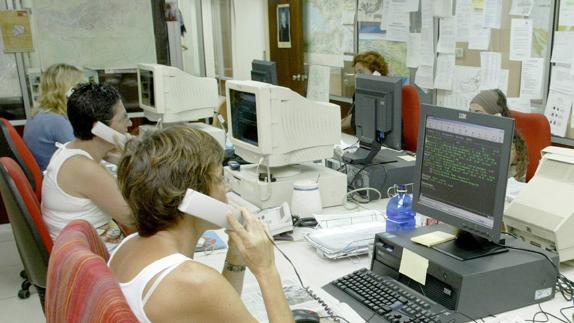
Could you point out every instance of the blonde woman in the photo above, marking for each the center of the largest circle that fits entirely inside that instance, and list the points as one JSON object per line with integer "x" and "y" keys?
{"x": 49, "y": 123}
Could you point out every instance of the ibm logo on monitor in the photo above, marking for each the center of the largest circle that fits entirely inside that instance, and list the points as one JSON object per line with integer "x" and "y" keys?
{"x": 462, "y": 116}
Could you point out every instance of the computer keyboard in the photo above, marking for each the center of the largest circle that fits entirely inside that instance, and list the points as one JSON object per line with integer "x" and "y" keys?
{"x": 383, "y": 299}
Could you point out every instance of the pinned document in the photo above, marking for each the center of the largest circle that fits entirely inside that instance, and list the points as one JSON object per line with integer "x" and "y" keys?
{"x": 520, "y": 39}
{"x": 318, "y": 84}
{"x": 433, "y": 238}
{"x": 521, "y": 7}
{"x": 414, "y": 266}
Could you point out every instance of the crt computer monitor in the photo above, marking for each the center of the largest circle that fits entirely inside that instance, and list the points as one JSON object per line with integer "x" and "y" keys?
{"x": 264, "y": 71}
{"x": 378, "y": 110}
{"x": 275, "y": 126}
{"x": 461, "y": 173}
{"x": 172, "y": 95}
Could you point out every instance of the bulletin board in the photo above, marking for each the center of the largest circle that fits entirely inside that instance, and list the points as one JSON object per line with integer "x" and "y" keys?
{"x": 468, "y": 61}
{"x": 561, "y": 72}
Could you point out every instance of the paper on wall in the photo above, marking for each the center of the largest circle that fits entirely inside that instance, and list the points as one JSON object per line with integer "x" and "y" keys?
{"x": 397, "y": 24}
{"x": 490, "y": 70}
{"x": 558, "y": 108}
{"x": 466, "y": 84}
{"x": 386, "y": 14}
{"x": 531, "y": 78}
{"x": 370, "y": 10}
{"x": 318, "y": 83}
{"x": 414, "y": 50}
{"x": 519, "y": 104}
{"x": 427, "y": 34}
{"x": 479, "y": 37}
{"x": 463, "y": 20}
{"x": 442, "y": 8}
{"x": 563, "y": 47}
{"x": 521, "y": 7}
{"x": 424, "y": 76}
{"x": 566, "y": 13}
{"x": 478, "y": 4}
{"x": 349, "y": 10}
{"x": 447, "y": 36}
{"x": 520, "y": 39}
{"x": 492, "y": 14}
{"x": 412, "y": 5}
{"x": 444, "y": 68}
{"x": 503, "y": 84}
{"x": 561, "y": 80}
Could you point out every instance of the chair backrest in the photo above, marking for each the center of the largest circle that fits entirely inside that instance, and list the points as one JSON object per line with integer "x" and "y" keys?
{"x": 21, "y": 154}
{"x": 411, "y": 116}
{"x": 30, "y": 234}
{"x": 81, "y": 287}
{"x": 535, "y": 130}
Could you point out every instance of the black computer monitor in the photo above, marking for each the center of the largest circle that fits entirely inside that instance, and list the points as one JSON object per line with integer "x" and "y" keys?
{"x": 461, "y": 174}
{"x": 264, "y": 71}
{"x": 378, "y": 107}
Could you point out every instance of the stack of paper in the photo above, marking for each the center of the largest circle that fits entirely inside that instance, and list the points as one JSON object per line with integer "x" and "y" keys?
{"x": 345, "y": 241}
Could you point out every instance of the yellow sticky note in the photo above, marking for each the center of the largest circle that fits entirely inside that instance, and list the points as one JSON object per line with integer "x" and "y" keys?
{"x": 433, "y": 238}
{"x": 414, "y": 266}
{"x": 478, "y": 4}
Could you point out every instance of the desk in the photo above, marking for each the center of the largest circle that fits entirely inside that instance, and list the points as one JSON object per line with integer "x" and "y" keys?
{"x": 316, "y": 271}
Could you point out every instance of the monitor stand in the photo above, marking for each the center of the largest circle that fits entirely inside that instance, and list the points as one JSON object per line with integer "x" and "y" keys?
{"x": 365, "y": 154}
{"x": 469, "y": 246}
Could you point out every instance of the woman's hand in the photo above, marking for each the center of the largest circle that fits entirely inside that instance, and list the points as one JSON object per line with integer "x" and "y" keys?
{"x": 252, "y": 242}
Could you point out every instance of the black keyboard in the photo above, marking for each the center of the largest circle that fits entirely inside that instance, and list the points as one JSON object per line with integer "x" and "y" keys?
{"x": 383, "y": 299}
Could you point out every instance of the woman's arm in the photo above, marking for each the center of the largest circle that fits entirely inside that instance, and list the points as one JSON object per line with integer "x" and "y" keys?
{"x": 83, "y": 177}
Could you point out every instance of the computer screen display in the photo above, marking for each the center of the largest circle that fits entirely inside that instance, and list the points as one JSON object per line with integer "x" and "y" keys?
{"x": 378, "y": 108}
{"x": 462, "y": 168}
{"x": 264, "y": 71}
{"x": 244, "y": 116}
{"x": 146, "y": 84}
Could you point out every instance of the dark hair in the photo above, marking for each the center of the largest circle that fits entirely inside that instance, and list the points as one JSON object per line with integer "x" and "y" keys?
{"x": 373, "y": 61}
{"x": 156, "y": 171}
{"x": 88, "y": 104}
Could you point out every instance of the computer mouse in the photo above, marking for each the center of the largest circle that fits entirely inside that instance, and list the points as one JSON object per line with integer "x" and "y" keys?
{"x": 305, "y": 316}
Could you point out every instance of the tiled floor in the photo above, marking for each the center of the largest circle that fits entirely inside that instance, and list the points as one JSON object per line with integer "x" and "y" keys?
{"x": 12, "y": 308}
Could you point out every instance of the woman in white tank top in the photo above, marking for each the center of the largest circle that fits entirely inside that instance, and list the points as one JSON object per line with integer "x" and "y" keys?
{"x": 161, "y": 281}
{"x": 75, "y": 185}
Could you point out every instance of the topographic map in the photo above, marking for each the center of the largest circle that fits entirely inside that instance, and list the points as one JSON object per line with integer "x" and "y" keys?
{"x": 97, "y": 34}
{"x": 395, "y": 53}
{"x": 324, "y": 31}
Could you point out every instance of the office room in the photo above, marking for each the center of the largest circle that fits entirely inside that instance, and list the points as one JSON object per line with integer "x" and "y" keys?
{"x": 307, "y": 161}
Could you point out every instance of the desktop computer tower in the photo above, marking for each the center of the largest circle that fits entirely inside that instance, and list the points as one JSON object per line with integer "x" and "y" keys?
{"x": 477, "y": 287}
{"x": 389, "y": 167}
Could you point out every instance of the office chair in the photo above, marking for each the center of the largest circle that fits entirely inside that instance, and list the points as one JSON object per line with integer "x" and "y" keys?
{"x": 410, "y": 111}
{"x": 15, "y": 148}
{"x": 30, "y": 233}
{"x": 535, "y": 130}
{"x": 81, "y": 287}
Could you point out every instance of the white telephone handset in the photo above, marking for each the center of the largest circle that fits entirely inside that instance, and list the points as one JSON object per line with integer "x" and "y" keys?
{"x": 376, "y": 73}
{"x": 207, "y": 208}
{"x": 108, "y": 134}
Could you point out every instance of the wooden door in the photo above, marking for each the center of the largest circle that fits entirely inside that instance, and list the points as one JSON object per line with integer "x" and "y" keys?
{"x": 286, "y": 42}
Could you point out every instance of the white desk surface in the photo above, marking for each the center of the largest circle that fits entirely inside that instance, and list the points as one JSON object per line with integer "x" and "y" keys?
{"x": 317, "y": 271}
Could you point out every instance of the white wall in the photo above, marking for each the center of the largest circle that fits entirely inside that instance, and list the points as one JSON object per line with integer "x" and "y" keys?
{"x": 250, "y": 35}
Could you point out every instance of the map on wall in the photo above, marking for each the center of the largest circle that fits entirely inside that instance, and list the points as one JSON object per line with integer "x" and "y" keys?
{"x": 326, "y": 37}
{"x": 395, "y": 53}
{"x": 96, "y": 34}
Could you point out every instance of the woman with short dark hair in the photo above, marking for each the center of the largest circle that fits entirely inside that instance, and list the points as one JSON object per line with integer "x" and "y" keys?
{"x": 76, "y": 185}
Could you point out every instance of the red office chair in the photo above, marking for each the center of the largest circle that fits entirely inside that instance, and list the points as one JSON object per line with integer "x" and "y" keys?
{"x": 12, "y": 141}
{"x": 30, "y": 233}
{"x": 411, "y": 111}
{"x": 81, "y": 287}
{"x": 535, "y": 130}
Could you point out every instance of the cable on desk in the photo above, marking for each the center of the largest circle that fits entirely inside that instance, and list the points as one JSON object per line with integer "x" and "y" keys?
{"x": 546, "y": 316}
{"x": 351, "y": 202}
{"x": 307, "y": 289}
{"x": 562, "y": 312}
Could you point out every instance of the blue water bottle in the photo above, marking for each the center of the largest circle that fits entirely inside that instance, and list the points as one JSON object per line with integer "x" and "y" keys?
{"x": 400, "y": 213}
